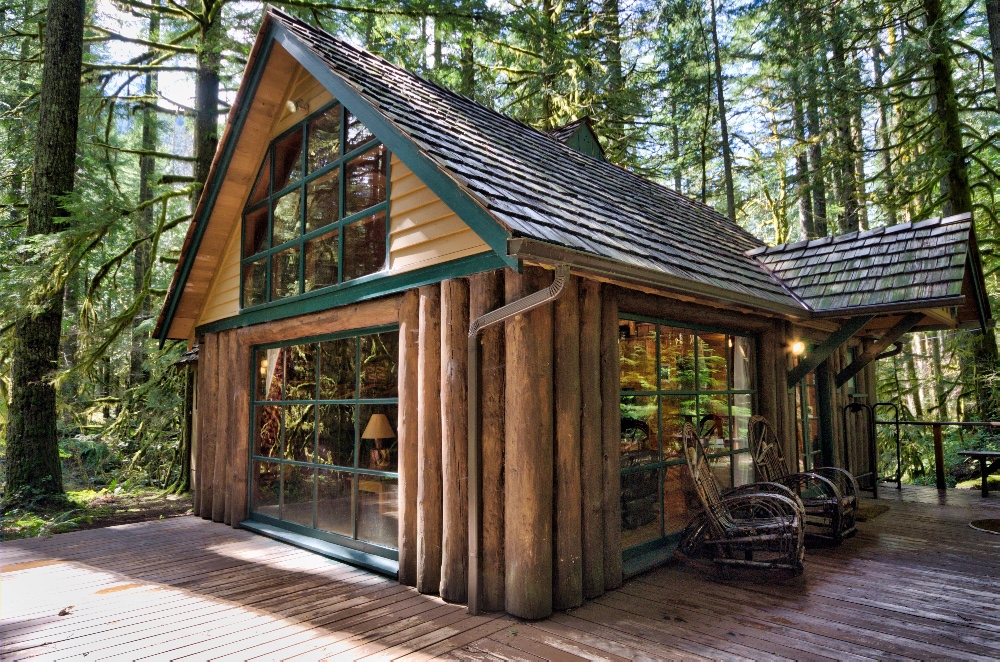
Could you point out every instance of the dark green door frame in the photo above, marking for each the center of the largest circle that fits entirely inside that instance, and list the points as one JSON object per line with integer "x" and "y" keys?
{"x": 824, "y": 397}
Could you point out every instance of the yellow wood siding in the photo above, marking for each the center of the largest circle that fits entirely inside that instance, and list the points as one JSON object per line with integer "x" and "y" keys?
{"x": 223, "y": 298}
{"x": 423, "y": 230}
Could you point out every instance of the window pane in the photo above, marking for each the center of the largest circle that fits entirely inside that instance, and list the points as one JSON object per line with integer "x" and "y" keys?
{"x": 336, "y": 435}
{"x": 298, "y": 493}
{"x": 676, "y": 359}
{"x": 285, "y": 273}
{"x": 640, "y": 431}
{"x": 336, "y": 369}
{"x": 743, "y": 471}
{"x": 640, "y": 507}
{"x": 379, "y": 358}
{"x": 357, "y": 133}
{"x": 741, "y": 362}
{"x": 378, "y": 437}
{"x": 288, "y": 160}
{"x": 300, "y": 428}
{"x": 675, "y": 410}
{"x": 679, "y": 498}
{"x": 720, "y": 468}
{"x": 323, "y": 200}
{"x": 637, "y": 349}
{"x": 262, "y": 184}
{"x": 324, "y": 139}
{"x": 712, "y": 352}
{"x": 300, "y": 367}
{"x": 255, "y": 232}
{"x": 713, "y": 422}
{"x": 267, "y": 431}
{"x": 742, "y": 411}
{"x": 255, "y": 283}
{"x": 365, "y": 180}
{"x": 321, "y": 255}
{"x": 334, "y": 502}
{"x": 264, "y": 497}
{"x": 286, "y": 222}
{"x": 378, "y": 510}
{"x": 364, "y": 246}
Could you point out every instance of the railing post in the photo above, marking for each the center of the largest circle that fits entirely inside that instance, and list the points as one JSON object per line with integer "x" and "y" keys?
{"x": 939, "y": 457}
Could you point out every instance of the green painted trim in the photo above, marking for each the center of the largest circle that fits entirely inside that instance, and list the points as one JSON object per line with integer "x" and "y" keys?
{"x": 225, "y": 156}
{"x": 431, "y": 174}
{"x": 336, "y": 547}
{"x": 354, "y": 291}
{"x": 817, "y": 355}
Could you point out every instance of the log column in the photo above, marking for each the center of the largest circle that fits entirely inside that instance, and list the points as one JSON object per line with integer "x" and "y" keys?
{"x": 240, "y": 426}
{"x": 611, "y": 423}
{"x": 568, "y": 512}
{"x": 591, "y": 438}
{"x": 208, "y": 411}
{"x": 407, "y": 435}
{"x": 455, "y": 438}
{"x": 429, "y": 480}
{"x": 486, "y": 294}
{"x": 223, "y": 368}
{"x": 529, "y": 450}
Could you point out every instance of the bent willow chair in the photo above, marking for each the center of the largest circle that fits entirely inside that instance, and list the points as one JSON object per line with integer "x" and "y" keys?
{"x": 829, "y": 494}
{"x": 756, "y": 526}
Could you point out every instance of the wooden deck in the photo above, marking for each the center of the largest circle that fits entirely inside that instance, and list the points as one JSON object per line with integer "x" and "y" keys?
{"x": 917, "y": 582}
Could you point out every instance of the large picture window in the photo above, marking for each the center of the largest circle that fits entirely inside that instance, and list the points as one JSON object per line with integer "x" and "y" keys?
{"x": 323, "y": 454}
{"x": 317, "y": 213}
{"x": 669, "y": 375}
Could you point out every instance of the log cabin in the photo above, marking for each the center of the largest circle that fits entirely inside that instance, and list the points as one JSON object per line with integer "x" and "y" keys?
{"x": 441, "y": 344}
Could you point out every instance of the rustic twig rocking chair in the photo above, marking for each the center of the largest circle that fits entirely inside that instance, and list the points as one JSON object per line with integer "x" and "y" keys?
{"x": 829, "y": 494}
{"x": 757, "y": 526}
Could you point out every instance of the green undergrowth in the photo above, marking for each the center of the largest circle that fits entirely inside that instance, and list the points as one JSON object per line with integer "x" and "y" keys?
{"x": 976, "y": 483}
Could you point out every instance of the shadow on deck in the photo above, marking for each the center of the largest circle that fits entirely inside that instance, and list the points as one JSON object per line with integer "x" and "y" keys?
{"x": 916, "y": 582}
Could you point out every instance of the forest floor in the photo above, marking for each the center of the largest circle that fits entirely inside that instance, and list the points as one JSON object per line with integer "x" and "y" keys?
{"x": 89, "y": 509}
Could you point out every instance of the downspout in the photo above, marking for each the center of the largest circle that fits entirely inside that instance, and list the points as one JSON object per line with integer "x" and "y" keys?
{"x": 521, "y": 306}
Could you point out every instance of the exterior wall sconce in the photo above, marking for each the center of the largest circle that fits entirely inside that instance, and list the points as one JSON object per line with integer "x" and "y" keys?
{"x": 798, "y": 348}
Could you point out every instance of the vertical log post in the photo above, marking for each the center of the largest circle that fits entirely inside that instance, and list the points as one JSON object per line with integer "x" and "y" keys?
{"x": 429, "y": 480}
{"x": 240, "y": 426}
{"x": 197, "y": 432}
{"x": 611, "y": 423}
{"x": 407, "y": 435}
{"x": 591, "y": 438}
{"x": 223, "y": 368}
{"x": 529, "y": 448}
{"x": 208, "y": 412}
{"x": 568, "y": 512}
{"x": 486, "y": 294}
{"x": 454, "y": 438}
{"x": 938, "y": 459}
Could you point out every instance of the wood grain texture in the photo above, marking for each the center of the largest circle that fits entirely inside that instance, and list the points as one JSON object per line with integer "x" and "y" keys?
{"x": 529, "y": 450}
{"x": 208, "y": 358}
{"x": 429, "y": 486}
{"x": 611, "y": 425}
{"x": 486, "y": 294}
{"x": 223, "y": 369}
{"x": 407, "y": 435}
{"x": 676, "y": 310}
{"x": 240, "y": 458}
{"x": 568, "y": 508}
{"x": 454, "y": 439}
{"x": 591, "y": 439}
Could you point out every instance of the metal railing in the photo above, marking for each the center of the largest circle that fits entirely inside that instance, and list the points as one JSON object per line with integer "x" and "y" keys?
{"x": 937, "y": 430}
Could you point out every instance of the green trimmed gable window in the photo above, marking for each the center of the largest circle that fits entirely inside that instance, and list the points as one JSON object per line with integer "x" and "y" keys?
{"x": 317, "y": 215}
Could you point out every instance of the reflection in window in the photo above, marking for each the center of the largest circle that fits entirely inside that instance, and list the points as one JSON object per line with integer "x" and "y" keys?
{"x": 316, "y": 216}
{"x": 324, "y": 436}
{"x": 670, "y": 375}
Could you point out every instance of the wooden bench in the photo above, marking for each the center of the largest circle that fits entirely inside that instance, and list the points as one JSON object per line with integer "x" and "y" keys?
{"x": 984, "y": 468}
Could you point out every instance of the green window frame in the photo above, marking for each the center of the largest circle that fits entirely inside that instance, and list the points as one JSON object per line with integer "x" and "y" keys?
{"x": 258, "y": 267}
{"x": 371, "y": 470}
{"x": 657, "y": 389}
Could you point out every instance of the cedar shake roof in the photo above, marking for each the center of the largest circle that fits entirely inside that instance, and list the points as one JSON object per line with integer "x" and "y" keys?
{"x": 909, "y": 262}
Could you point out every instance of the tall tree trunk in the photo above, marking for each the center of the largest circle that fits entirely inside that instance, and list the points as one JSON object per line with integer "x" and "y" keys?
{"x": 727, "y": 156}
{"x": 611, "y": 50}
{"x": 32, "y": 443}
{"x": 813, "y": 26}
{"x": 885, "y": 138}
{"x": 807, "y": 230}
{"x": 912, "y": 383}
{"x": 939, "y": 393}
{"x": 206, "y": 97}
{"x": 144, "y": 223}
{"x": 468, "y": 84}
{"x": 550, "y": 18}
{"x": 842, "y": 107}
{"x": 675, "y": 143}
{"x": 993, "y": 19}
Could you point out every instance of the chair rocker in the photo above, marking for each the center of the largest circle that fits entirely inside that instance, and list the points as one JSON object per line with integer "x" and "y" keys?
{"x": 829, "y": 494}
{"x": 754, "y": 526}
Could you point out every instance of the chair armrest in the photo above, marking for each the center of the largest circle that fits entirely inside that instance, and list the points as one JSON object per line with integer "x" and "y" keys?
{"x": 769, "y": 504}
{"x": 762, "y": 487}
{"x": 808, "y": 480}
{"x": 842, "y": 478}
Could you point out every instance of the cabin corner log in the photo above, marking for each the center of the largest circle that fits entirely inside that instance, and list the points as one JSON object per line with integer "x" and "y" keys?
{"x": 487, "y": 293}
{"x": 568, "y": 511}
{"x": 224, "y": 431}
{"x": 407, "y": 435}
{"x": 611, "y": 423}
{"x": 429, "y": 480}
{"x": 454, "y": 439}
{"x": 591, "y": 440}
{"x": 208, "y": 432}
{"x": 240, "y": 427}
{"x": 528, "y": 449}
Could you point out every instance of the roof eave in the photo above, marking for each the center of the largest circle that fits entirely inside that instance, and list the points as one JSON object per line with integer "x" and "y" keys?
{"x": 889, "y": 308}
{"x": 533, "y": 250}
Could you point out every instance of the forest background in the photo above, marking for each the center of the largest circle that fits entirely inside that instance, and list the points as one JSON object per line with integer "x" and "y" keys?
{"x": 798, "y": 119}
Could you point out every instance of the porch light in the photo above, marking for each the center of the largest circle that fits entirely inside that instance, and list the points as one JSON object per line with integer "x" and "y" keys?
{"x": 798, "y": 348}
